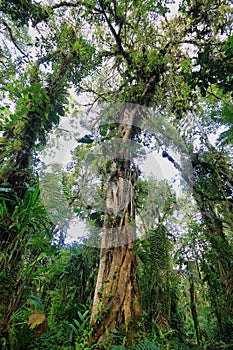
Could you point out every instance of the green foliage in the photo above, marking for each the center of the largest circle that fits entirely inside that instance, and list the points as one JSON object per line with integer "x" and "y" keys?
{"x": 226, "y": 137}
{"x": 81, "y": 329}
{"x": 146, "y": 345}
{"x": 138, "y": 54}
{"x": 63, "y": 302}
{"x": 209, "y": 62}
{"x": 27, "y": 218}
{"x": 22, "y": 11}
{"x": 37, "y": 302}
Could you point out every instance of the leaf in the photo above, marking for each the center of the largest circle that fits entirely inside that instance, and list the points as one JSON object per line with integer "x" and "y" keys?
{"x": 36, "y": 319}
{"x": 132, "y": 224}
{"x": 86, "y": 139}
{"x": 37, "y": 302}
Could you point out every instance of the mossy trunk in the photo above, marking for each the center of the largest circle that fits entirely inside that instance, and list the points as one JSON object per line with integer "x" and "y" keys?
{"x": 194, "y": 309}
{"x": 116, "y": 300}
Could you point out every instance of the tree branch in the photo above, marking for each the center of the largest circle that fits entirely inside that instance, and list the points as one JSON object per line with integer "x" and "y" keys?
{"x": 65, "y": 3}
{"x": 116, "y": 36}
{"x": 71, "y": 4}
{"x": 13, "y": 39}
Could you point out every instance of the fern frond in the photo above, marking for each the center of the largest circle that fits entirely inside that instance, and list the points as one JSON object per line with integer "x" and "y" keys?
{"x": 162, "y": 322}
{"x": 146, "y": 345}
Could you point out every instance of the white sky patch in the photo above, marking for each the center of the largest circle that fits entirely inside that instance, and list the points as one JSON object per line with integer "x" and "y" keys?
{"x": 174, "y": 10}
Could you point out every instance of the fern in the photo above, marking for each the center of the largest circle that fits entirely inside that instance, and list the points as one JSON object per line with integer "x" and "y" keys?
{"x": 146, "y": 345}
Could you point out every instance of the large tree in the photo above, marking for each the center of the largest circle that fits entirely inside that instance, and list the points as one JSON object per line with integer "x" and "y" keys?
{"x": 149, "y": 58}
{"x": 154, "y": 60}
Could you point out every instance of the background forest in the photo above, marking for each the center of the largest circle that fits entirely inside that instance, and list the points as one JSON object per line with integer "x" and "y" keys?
{"x": 155, "y": 268}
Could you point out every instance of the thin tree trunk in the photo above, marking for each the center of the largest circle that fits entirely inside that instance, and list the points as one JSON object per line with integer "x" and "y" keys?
{"x": 194, "y": 309}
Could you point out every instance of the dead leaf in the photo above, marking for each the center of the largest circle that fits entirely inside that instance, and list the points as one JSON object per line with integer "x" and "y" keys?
{"x": 39, "y": 321}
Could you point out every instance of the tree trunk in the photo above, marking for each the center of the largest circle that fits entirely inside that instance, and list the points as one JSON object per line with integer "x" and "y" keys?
{"x": 212, "y": 188}
{"x": 116, "y": 300}
{"x": 193, "y": 306}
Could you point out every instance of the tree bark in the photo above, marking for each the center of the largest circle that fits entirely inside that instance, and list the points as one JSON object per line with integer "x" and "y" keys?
{"x": 193, "y": 305}
{"x": 116, "y": 300}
